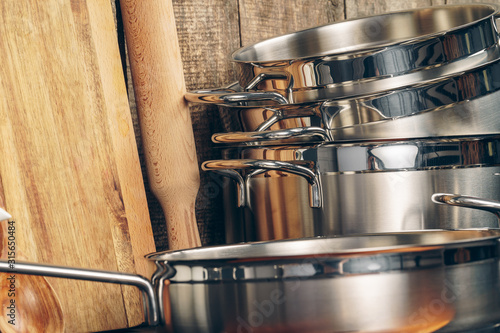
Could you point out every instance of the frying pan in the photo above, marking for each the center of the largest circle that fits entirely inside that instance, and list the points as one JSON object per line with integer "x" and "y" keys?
{"x": 391, "y": 282}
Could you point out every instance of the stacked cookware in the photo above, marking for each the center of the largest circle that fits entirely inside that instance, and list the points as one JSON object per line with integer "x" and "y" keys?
{"x": 357, "y": 126}
{"x": 354, "y": 142}
{"x": 347, "y": 149}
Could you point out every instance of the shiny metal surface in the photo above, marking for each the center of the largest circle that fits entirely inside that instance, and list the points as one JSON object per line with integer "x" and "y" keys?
{"x": 411, "y": 282}
{"x": 348, "y": 59}
{"x": 304, "y": 134}
{"x": 473, "y": 117}
{"x": 462, "y": 105}
{"x": 491, "y": 206}
{"x": 367, "y": 187}
{"x": 352, "y": 36}
{"x": 349, "y": 245}
{"x": 420, "y": 301}
{"x": 150, "y": 303}
{"x": 308, "y": 173}
{"x": 414, "y": 284}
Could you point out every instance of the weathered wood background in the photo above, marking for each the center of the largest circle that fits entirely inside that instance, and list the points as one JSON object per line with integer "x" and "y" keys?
{"x": 209, "y": 31}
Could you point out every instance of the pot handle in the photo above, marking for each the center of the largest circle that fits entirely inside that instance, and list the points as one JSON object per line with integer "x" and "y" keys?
{"x": 300, "y": 168}
{"x": 491, "y": 206}
{"x": 231, "y": 96}
{"x": 151, "y": 309}
{"x": 311, "y": 133}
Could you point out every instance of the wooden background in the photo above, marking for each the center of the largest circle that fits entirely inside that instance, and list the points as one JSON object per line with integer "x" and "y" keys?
{"x": 73, "y": 170}
{"x": 209, "y": 31}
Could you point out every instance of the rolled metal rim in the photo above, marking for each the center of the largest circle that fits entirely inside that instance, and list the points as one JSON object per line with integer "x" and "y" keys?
{"x": 378, "y": 156}
{"x": 249, "y": 54}
{"x": 419, "y": 82}
{"x": 465, "y": 104}
{"x": 318, "y": 76}
{"x": 366, "y": 244}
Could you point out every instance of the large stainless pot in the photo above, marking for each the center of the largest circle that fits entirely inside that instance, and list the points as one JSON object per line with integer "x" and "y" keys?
{"x": 334, "y": 189}
{"x": 362, "y": 56}
{"x": 444, "y": 281}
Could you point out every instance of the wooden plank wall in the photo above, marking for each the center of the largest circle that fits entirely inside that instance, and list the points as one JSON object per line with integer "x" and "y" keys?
{"x": 209, "y": 31}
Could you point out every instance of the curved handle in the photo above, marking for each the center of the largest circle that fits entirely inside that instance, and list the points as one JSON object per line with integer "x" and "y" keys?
{"x": 265, "y": 76}
{"x": 300, "y": 168}
{"x": 307, "y": 133}
{"x": 151, "y": 305}
{"x": 232, "y": 98}
{"x": 234, "y": 175}
{"x": 491, "y": 206}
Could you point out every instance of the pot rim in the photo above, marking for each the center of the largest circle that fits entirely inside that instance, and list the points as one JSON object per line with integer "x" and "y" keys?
{"x": 346, "y": 245}
{"x": 236, "y": 55}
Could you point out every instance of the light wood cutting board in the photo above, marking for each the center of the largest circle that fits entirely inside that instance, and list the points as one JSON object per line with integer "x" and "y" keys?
{"x": 69, "y": 167}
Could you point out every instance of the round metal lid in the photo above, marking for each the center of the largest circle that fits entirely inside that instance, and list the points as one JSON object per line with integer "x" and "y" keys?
{"x": 413, "y": 241}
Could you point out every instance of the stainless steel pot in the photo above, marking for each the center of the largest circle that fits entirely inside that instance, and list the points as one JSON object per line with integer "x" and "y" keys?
{"x": 337, "y": 189}
{"x": 465, "y": 104}
{"x": 362, "y": 56}
{"x": 444, "y": 281}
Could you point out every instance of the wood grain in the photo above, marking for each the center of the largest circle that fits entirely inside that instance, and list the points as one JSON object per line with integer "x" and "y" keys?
{"x": 165, "y": 121}
{"x": 265, "y": 19}
{"x": 208, "y": 32}
{"x": 463, "y": 2}
{"x": 72, "y": 178}
{"x": 362, "y": 8}
{"x": 36, "y": 305}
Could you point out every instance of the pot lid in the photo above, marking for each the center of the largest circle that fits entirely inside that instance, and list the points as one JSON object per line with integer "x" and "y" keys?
{"x": 342, "y": 245}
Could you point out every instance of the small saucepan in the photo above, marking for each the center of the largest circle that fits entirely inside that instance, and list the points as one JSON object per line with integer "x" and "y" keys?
{"x": 292, "y": 191}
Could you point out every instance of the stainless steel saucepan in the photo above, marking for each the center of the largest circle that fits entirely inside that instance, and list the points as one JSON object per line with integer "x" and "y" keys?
{"x": 336, "y": 189}
{"x": 428, "y": 281}
{"x": 362, "y": 56}
{"x": 465, "y": 104}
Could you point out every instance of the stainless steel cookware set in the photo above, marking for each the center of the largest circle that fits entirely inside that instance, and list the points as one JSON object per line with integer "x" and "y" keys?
{"x": 361, "y": 165}
{"x": 352, "y": 127}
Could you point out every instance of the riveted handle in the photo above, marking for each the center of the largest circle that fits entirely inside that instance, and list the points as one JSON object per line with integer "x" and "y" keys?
{"x": 302, "y": 134}
{"x": 301, "y": 168}
{"x": 226, "y": 97}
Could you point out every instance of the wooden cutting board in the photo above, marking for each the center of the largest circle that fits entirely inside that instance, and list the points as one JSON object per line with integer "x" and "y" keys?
{"x": 69, "y": 167}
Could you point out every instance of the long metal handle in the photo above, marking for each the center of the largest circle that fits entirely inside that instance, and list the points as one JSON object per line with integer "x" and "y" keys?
{"x": 151, "y": 306}
{"x": 235, "y": 95}
{"x": 300, "y": 168}
{"x": 491, "y": 206}
{"x": 306, "y": 133}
